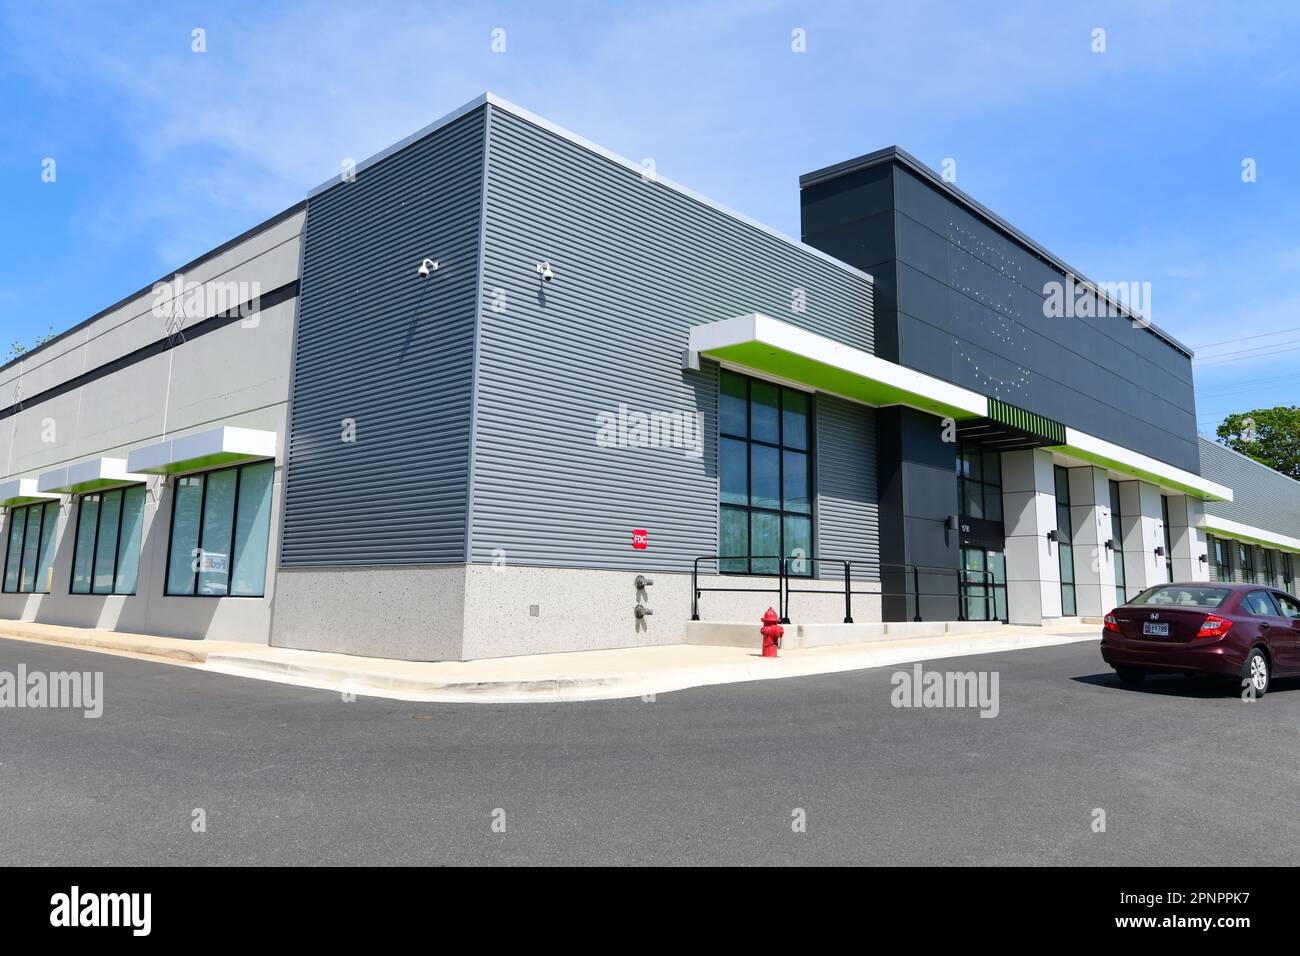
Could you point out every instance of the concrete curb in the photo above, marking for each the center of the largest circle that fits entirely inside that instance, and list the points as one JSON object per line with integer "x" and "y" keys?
{"x": 601, "y": 675}
{"x": 829, "y": 660}
{"x": 171, "y": 650}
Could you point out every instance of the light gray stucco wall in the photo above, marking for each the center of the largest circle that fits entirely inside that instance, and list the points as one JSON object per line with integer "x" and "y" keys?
{"x": 236, "y": 374}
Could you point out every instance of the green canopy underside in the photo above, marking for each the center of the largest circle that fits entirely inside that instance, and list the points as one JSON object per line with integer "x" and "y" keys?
{"x": 827, "y": 378}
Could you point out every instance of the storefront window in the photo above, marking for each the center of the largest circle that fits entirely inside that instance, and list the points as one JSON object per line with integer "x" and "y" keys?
{"x": 220, "y": 532}
{"x": 1064, "y": 541}
{"x": 29, "y": 558}
{"x": 107, "y": 555}
{"x": 764, "y": 475}
{"x": 1117, "y": 536}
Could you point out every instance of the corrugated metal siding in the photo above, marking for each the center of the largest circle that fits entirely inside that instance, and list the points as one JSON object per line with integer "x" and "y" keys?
{"x": 636, "y": 265}
{"x": 394, "y": 352}
{"x": 848, "y": 519}
{"x": 1261, "y": 497}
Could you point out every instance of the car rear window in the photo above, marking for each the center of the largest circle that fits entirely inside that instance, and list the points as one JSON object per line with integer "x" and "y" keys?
{"x": 1182, "y": 595}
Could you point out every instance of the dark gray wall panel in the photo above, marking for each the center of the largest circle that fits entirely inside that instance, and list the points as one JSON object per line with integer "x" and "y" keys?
{"x": 963, "y": 301}
{"x": 848, "y": 518}
{"x": 636, "y": 265}
{"x": 394, "y": 352}
{"x": 1261, "y": 497}
{"x": 964, "y": 277}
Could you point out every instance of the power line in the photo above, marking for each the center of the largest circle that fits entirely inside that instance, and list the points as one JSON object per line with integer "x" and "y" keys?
{"x": 1228, "y": 361}
{"x": 1244, "y": 338}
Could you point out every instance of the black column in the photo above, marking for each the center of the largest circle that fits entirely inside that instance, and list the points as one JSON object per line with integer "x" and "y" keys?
{"x": 918, "y": 491}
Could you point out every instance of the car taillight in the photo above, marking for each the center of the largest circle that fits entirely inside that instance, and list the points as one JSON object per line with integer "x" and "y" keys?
{"x": 1110, "y": 623}
{"x": 1213, "y": 626}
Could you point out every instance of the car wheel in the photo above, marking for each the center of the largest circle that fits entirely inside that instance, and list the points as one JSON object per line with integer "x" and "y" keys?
{"x": 1255, "y": 674}
{"x": 1128, "y": 675}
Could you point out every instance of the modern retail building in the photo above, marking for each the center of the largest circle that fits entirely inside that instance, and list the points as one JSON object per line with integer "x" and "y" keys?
{"x": 464, "y": 399}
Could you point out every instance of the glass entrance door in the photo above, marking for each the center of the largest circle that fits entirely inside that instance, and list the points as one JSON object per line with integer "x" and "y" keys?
{"x": 983, "y": 585}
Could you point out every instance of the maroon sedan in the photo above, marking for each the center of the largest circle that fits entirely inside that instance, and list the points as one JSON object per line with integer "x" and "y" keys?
{"x": 1243, "y": 631}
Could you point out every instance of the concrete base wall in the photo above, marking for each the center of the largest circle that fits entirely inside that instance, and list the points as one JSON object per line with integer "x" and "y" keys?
{"x": 459, "y": 612}
{"x": 532, "y": 610}
{"x": 406, "y": 613}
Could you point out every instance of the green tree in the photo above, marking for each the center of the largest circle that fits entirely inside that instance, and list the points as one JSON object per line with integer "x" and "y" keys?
{"x": 1271, "y": 436}
{"x": 18, "y": 350}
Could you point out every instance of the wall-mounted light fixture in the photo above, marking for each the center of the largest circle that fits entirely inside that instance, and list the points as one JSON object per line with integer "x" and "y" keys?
{"x": 1054, "y": 535}
{"x": 1203, "y": 558}
{"x": 428, "y": 266}
{"x": 1110, "y": 544}
{"x": 950, "y": 522}
{"x": 1160, "y": 551}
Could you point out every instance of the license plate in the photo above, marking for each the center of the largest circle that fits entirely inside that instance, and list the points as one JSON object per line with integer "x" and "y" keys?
{"x": 1155, "y": 630}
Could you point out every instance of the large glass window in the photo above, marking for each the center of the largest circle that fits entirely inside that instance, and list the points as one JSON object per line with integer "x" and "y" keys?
{"x": 1246, "y": 561}
{"x": 1064, "y": 541}
{"x": 979, "y": 482}
{"x": 221, "y": 523}
{"x": 29, "y": 557}
{"x": 1169, "y": 540}
{"x": 764, "y": 475}
{"x": 1221, "y": 554}
{"x": 107, "y": 555}
{"x": 1117, "y": 536}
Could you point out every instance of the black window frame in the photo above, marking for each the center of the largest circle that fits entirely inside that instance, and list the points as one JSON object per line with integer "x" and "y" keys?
{"x": 117, "y": 542}
{"x": 727, "y": 565}
{"x": 1169, "y": 541}
{"x": 989, "y": 490}
{"x": 1117, "y": 539}
{"x": 234, "y": 529}
{"x": 1246, "y": 559}
{"x": 40, "y": 530}
{"x": 1065, "y": 540}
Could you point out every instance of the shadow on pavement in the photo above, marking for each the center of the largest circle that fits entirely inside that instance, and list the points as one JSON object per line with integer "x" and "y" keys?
{"x": 1178, "y": 685}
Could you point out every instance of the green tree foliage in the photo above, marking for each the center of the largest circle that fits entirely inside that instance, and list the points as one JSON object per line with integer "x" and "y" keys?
{"x": 18, "y": 350}
{"x": 1271, "y": 436}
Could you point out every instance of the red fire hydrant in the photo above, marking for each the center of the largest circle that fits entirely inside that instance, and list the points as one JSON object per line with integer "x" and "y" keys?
{"x": 772, "y": 633}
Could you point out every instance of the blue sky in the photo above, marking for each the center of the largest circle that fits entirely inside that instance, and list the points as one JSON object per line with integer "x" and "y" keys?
{"x": 1125, "y": 163}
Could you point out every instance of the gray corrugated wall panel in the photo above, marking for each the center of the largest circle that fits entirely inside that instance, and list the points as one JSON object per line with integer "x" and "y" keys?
{"x": 377, "y": 344}
{"x": 848, "y": 516}
{"x": 1261, "y": 497}
{"x": 636, "y": 265}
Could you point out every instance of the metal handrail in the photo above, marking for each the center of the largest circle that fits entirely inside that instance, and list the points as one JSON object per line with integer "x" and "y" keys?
{"x": 784, "y": 590}
{"x": 988, "y": 582}
{"x": 696, "y": 590}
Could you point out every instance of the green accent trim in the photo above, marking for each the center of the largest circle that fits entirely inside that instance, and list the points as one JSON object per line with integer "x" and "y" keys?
{"x": 95, "y": 484}
{"x": 1224, "y": 534}
{"x": 1026, "y": 421}
{"x": 1155, "y": 479}
{"x": 797, "y": 368}
{"x": 26, "y": 500}
{"x": 202, "y": 463}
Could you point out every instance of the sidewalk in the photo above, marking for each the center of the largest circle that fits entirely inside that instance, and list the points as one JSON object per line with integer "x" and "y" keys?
{"x": 583, "y": 675}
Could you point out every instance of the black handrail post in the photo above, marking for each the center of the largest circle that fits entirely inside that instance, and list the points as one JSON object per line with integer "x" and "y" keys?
{"x": 916, "y": 588}
{"x": 961, "y": 604}
{"x": 848, "y": 594}
{"x": 783, "y": 589}
{"x": 695, "y": 592}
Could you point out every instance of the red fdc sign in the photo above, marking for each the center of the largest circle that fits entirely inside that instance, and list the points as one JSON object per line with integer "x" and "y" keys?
{"x": 640, "y": 539}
